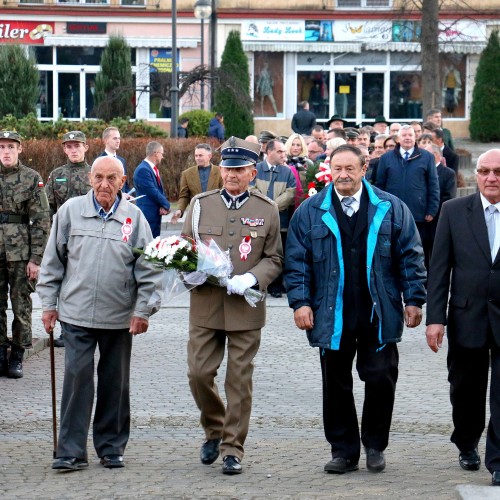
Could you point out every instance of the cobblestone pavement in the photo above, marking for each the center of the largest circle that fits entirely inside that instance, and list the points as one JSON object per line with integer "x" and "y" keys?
{"x": 285, "y": 450}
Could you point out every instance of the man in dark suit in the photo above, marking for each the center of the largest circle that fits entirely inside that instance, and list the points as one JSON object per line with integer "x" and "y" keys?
{"x": 147, "y": 181}
{"x": 204, "y": 176}
{"x": 447, "y": 190}
{"x": 449, "y": 155}
{"x": 466, "y": 248}
{"x": 111, "y": 138}
{"x": 304, "y": 120}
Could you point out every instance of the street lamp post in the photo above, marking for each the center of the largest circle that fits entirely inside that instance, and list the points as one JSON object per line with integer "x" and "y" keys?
{"x": 174, "y": 89}
{"x": 202, "y": 10}
{"x": 213, "y": 49}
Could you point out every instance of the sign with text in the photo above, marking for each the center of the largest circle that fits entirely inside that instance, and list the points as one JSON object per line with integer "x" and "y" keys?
{"x": 86, "y": 28}
{"x": 273, "y": 29}
{"x": 26, "y": 32}
{"x": 161, "y": 60}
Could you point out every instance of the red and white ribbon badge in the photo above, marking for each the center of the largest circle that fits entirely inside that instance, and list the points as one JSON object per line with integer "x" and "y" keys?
{"x": 126, "y": 229}
{"x": 245, "y": 247}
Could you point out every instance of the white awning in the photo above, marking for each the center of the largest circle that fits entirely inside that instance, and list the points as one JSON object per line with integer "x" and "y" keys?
{"x": 101, "y": 41}
{"x": 332, "y": 47}
{"x": 448, "y": 47}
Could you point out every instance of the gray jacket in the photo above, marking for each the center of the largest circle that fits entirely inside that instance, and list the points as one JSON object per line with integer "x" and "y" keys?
{"x": 90, "y": 275}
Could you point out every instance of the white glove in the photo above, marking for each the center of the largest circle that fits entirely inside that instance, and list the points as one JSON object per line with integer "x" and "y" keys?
{"x": 238, "y": 284}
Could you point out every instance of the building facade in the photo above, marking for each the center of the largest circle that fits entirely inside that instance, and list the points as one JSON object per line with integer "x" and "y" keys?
{"x": 355, "y": 58}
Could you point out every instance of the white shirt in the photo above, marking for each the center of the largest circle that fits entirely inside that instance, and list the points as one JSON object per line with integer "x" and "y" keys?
{"x": 357, "y": 198}
{"x": 403, "y": 151}
{"x": 496, "y": 216}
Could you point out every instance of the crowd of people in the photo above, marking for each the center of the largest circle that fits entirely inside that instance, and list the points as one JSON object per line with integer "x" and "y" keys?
{"x": 343, "y": 220}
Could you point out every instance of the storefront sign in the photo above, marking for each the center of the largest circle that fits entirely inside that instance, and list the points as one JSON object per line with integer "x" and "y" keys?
{"x": 86, "y": 28}
{"x": 273, "y": 29}
{"x": 462, "y": 31}
{"x": 27, "y": 32}
{"x": 161, "y": 60}
{"x": 362, "y": 31}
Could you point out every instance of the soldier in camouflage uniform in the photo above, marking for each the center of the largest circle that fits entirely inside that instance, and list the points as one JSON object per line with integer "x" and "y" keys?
{"x": 24, "y": 229}
{"x": 70, "y": 180}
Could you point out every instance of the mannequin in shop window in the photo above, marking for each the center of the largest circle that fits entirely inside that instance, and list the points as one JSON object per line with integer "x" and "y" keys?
{"x": 265, "y": 86}
{"x": 452, "y": 88}
{"x": 71, "y": 103}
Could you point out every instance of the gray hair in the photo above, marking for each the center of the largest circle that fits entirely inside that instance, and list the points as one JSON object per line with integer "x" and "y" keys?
{"x": 205, "y": 146}
{"x": 152, "y": 147}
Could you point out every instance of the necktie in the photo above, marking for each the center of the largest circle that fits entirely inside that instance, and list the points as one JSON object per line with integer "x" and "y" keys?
{"x": 157, "y": 173}
{"x": 346, "y": 203}
{"x": 491, "y": 214}
{"x": 406, "y": 155}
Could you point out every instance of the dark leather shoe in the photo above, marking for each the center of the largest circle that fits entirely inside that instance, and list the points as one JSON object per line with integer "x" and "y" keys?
{"x": 276, "y": 294}
{"x": 231, "y": 465}
{"x": 375, "y": 460}
{"x": 340, "y": 465}
{"x": 495, "y": 478}
{"x": 469, "y": 460}
{"x": 112, "y": 461}
{"x": 59, "y": 342}
{"x": 69, "y": 463}
{"x": 209, "y": 451}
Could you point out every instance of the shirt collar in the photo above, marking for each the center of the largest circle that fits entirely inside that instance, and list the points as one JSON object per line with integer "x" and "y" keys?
{"x": 100, "y": 210}
{"x": 486, "y": 203}
{"x": 356, "y": 195}
{"x": 150, "y": 163}
{"x": 234, "y": 202}
{"x": 403, "y": 151}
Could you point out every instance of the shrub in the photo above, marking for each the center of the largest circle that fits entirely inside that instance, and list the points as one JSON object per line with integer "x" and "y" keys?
{"x": 485, "y": 108}
{"x": 198, "y": 121}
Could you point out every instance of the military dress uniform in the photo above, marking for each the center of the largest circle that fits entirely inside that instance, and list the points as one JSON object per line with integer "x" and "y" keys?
{"x": 24, "y": 229}
{"x": 248, "y": 228}
{"x": 69, "y": 180}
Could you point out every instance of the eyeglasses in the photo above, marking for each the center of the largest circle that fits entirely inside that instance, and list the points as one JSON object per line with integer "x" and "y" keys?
{"x": 160, "y": 153}
{"x": 484, "y": 172}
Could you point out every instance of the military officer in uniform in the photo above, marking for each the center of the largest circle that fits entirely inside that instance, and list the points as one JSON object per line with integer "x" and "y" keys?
{"x": 69, "y": 180}
{"x": 247, "y": 225}
{"x": 24, "y": 228}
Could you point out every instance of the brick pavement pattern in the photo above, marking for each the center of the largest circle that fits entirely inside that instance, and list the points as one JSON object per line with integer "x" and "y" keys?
{"x": 285, "y": 451}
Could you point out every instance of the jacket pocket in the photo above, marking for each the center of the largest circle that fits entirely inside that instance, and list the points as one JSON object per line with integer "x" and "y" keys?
{"x": 319, "y": 237}
{"x": 458, "y": 301}
{"x": 208, "y": 231}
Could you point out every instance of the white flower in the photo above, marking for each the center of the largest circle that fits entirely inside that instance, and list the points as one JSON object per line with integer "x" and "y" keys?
{"x": 184, "y": 259}
{"x": 312, "y": 192}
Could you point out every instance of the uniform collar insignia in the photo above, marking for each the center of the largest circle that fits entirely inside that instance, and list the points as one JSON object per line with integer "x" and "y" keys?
{"x": 234, "y": 202}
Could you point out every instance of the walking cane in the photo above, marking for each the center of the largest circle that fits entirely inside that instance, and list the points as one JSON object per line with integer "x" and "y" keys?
{"x": 53, "y": 386}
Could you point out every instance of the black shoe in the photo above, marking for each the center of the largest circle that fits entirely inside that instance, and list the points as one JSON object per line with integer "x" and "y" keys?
{"x": 112, "y": 461}
{"x": 276, "y": 294}
{"x": 59, "y": 342}
{"x": 469, "y": 460}
{"x": 375, "y": 460}
{"x": 4, "y": 361}
{"x": 340, "y": 465}
{"x": 16, "y": 362}
{"x": 495, "y": 478}
{"x": 209, "y": 451}
{"x": 231, "y": 465}
{"x": 69, "y": 463}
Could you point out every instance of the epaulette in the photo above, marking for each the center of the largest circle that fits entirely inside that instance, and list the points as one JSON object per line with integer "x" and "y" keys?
{"x": 256, "y": 192}
{"x": 206, "y": 193}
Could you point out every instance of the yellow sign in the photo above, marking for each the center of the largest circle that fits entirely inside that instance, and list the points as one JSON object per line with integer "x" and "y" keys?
{"x": 344, "y": 89}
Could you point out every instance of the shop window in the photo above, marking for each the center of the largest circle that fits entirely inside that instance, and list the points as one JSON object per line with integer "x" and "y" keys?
{"x": 133, "y": 3}
{"x": 90, "y": 56}
{"x": 364, "y": 3}
{"x": 85, "y": 2}
{"x": 42, "y": 55}
{"x": 69, "y": 95}
{"x": 44, "y": 105}
{"x": 406, "y": 95}
{"x": 268, "y": 84}
{"x": 313, "y": 87}
{"x": 452, "y": 74}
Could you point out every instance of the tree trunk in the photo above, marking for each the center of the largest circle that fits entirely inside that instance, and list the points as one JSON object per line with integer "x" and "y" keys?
{"x": 431, "y": 86}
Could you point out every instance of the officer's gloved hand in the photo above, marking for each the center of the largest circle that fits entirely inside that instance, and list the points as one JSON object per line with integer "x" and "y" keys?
{"x": 238, "y": 284}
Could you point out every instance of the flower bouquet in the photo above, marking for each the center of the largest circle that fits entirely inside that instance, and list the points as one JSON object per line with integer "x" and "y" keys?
{"x": 188, "y": 263}
{"x": 318, "y": 177}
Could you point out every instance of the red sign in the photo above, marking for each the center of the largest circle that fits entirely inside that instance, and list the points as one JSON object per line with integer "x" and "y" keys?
{"x": 27, "y": 32}
{"x": 84, "y": 28}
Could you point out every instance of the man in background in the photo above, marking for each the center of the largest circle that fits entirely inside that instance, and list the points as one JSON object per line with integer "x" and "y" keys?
{"x": 204, "y": 176}
{"x": 149, "y": 185}
{"x": 111, "y": 138}
{"x": 304, "y": 120}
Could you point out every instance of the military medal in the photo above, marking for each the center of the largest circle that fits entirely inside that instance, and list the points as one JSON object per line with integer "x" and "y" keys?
{"x": 127, "y": 229}
{"x": 245, "y": 247}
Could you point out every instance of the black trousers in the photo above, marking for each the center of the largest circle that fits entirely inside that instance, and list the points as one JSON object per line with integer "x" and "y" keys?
{"x": 468, "y": 376}
{"x": 111, "y": 426}
{"x": 378, "y": 369}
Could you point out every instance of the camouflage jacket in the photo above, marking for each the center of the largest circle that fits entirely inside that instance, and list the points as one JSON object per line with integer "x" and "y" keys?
{"x": 66, "y": 182}
{"x": 24, "y": 214}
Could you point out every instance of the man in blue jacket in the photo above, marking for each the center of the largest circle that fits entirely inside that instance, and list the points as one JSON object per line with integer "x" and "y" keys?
{"x": 352, "y": 250}
{"x": 147, "y": 181}
{"x": 216, "y": 127}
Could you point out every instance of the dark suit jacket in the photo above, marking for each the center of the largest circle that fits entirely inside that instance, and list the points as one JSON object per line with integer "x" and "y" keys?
{"x": 451, "y": 158}
{"x": 447, "y": 185}
{"x": 191, "y": 184}
{"x": 462, "y": 257}
{"x": 146, "y": 183}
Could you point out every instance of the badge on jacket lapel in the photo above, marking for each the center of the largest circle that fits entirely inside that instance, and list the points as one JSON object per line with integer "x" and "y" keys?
{"x": 247, "y": 221}
{"x": 245, "y": 247}
{"x": 126, "y": 229}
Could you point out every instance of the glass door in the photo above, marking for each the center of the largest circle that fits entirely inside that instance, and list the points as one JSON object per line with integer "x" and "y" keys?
{"x": 372, "y": 99}
{"x": 345, "y": 91}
